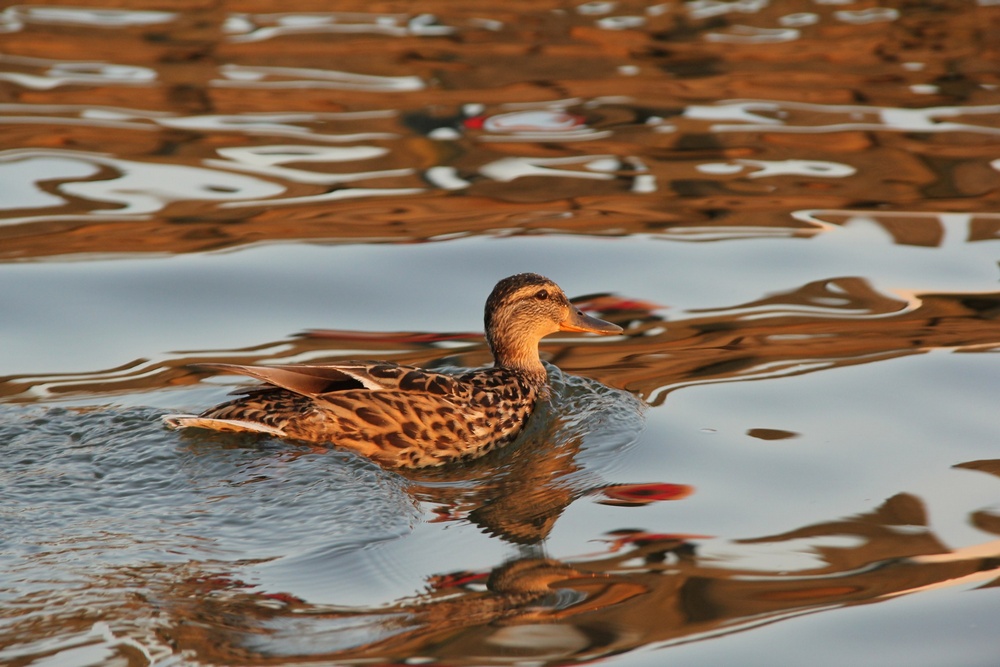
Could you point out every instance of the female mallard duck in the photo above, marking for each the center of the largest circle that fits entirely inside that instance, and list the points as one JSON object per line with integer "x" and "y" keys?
{"x": 405, "y": 416}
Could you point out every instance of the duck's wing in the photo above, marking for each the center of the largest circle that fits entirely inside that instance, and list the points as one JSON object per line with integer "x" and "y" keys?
{"x": 322, "y": 379}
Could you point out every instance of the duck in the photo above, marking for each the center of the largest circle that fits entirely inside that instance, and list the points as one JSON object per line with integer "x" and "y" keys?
{"x": 404, "y": 416}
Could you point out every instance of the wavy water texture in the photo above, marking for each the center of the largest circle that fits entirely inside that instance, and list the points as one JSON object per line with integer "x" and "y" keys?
{"x": 216, "y": 501}
{"x": 629, "y": 119}
{"x": 791, "y": 208}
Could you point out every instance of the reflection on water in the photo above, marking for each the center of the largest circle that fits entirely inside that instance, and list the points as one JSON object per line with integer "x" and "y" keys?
{"x": 520, "y": 492}
{"x": 647, "y": 589}
{"x": 132, "y": 194}
{"x": 217, "y": 500}
{"x": 629, "y": 119}
{"x": 803, "y": 194}
{"x": 572, "y": 608}
{"x": 822, "y": 325}
{"x": 258, "y": 27}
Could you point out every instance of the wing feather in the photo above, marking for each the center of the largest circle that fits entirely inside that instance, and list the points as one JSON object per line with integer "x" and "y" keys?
{"x": 319, "y": 380}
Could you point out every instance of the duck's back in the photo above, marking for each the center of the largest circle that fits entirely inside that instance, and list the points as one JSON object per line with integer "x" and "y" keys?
{"x": 413, "y": 418}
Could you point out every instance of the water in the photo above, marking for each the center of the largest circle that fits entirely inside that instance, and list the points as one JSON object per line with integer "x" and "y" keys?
{"x": 789, "y": 458}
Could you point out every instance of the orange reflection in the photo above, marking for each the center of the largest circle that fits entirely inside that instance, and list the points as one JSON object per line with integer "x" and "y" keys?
{"x": 650, "y": 590}
{"x": 821, "y": 325}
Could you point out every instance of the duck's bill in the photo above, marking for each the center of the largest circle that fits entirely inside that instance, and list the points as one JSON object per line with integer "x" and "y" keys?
{"x": 578, "y": 321}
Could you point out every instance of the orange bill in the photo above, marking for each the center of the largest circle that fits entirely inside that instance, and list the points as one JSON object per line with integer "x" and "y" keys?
{"x": 578, "y": 321}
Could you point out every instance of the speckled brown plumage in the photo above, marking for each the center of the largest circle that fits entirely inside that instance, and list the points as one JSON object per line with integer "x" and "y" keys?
{"x": 410, "y": 417}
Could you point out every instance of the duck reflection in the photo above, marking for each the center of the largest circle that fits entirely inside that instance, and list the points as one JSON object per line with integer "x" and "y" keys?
{"x": 518, "y": 493}
{"x": 643, "y": 589}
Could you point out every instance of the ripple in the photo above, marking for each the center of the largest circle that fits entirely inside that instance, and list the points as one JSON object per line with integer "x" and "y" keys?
{"x": 260, "y": 27}
{"x": 259, "y": 76}
{"x": 55, "y": 73}
{"x": 162, "y": 495}
{"x": 825, "y": 238}
{"x": 97, "y": 18}
{"x": 140, "y": 188}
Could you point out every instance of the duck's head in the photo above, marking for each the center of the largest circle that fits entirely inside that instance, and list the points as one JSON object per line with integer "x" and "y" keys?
{"x": 521, "y": 310}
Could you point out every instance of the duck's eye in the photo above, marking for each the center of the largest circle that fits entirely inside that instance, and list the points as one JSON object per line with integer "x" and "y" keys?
{"x": 541, "y": 295}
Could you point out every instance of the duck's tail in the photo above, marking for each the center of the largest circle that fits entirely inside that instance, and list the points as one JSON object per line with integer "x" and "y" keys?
{"x": 228, "y": 425}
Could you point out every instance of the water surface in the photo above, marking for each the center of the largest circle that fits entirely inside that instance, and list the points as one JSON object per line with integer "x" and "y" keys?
{"x": 791, "y": 208}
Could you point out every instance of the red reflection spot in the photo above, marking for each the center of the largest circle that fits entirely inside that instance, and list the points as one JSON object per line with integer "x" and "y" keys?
{"x": 642, "y": 494}
{"x": 474, "y": 123}
{"x": 457, "y": 579}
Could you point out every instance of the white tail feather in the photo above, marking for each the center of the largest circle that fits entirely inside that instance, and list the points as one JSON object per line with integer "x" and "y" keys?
{"x": 230, "y": 425}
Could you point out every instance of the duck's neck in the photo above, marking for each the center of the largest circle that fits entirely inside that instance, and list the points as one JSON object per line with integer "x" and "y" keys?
{"x": 519, "y": 354}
